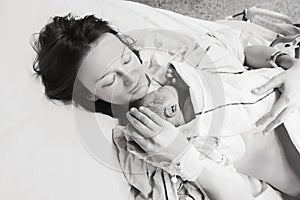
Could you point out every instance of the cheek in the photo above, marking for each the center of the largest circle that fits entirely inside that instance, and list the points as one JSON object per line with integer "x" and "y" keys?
{"x": 119, "y": 95}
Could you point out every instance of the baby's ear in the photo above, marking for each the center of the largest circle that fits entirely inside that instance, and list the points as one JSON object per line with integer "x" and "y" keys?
{"x": 170, "y": 110}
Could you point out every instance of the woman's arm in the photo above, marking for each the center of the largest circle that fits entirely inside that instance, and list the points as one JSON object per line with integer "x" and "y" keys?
{"x": 221, "y": 183}
{"x": 258, "y": 57}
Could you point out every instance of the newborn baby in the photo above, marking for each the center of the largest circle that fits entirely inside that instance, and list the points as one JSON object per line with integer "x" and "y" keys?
{"x": 208, "y": 115}
{"x": 164, "y": 102}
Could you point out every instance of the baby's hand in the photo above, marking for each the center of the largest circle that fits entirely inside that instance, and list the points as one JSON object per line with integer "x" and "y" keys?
{"x": 174, "y": 79}
{"x": 169, "y": 75}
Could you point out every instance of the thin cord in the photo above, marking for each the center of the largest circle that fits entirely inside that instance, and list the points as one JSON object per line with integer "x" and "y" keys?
{"x": 222, "y": 72}
{"x": 235, "y": 104}
{"x": 157, "y": 82}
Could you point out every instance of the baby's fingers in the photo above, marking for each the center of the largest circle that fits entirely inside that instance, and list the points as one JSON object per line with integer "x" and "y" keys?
{"x": 168, "y": 75}
{"x": 169, "y": 70}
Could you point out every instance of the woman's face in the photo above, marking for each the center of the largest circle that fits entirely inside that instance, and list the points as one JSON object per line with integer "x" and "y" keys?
{"x": 113, "y": 72}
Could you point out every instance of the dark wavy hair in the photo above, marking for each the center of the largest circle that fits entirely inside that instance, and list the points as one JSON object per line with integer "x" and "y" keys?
{"x": 61, "y": 46}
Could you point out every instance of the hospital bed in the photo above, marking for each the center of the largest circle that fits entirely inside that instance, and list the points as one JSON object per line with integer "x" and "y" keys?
{"x": 49, "y": 150}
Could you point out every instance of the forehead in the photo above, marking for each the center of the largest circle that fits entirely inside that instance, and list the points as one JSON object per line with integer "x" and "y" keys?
{"x": 99, "y": 59}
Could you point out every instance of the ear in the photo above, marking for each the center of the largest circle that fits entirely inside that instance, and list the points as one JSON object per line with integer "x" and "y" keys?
{"x": 91, "y": 97}
{"x": 170, "y": 110}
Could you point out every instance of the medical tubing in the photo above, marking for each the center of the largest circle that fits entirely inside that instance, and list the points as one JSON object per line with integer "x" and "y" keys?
{"x": 235, "y": 104}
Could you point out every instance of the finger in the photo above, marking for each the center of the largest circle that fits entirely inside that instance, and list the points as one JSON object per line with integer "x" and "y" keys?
{"x": 144, "y": 119}
{"x": 279, "y": 120}
{"x": 132, "y": 132}
{"x": 169, "y": 75}
{"x": 170, "y": 67}
{"x": 169, "y": 70}
{"x": 275, "y": 82}
{"x": 153, "y": 116}
{"x": 136, "y": 136}
{"x": 173, "y": 80}
{"x": 144, "y": 143}
{"x": 277, "y": 108}
{"x": 142, "y": 130}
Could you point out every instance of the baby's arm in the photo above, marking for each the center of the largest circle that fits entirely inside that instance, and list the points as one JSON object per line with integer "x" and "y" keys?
{"x": 222, "y": 183}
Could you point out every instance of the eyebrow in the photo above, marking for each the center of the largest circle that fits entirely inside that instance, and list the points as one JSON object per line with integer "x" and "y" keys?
{"x": 122, "y": 55}
{"x": 129, "y": 54}
{"x": 131, "y": 48}
{"x": 123, "y": 52}
{"x": 136, "y": 52}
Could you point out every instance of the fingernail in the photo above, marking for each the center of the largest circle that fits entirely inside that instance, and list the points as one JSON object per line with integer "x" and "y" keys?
{"x": 132, "y": 109}
{"x": 142, "y": 108}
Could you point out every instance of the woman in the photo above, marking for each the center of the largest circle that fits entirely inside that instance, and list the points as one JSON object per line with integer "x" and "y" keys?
{"x": 111, "y": 74}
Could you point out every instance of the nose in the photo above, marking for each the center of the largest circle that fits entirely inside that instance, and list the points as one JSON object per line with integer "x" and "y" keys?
{"x": 130, "y": 74}
{"x": 129, "y": 78}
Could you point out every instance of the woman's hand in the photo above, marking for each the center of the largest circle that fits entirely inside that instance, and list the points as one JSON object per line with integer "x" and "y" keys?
{"x": 288, "y": 83}
{"x": 158, "y": 137}
{"x": 163, "y": 142}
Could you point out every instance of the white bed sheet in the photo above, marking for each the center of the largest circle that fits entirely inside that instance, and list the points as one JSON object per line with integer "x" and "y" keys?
{"x": 41, "y": 153}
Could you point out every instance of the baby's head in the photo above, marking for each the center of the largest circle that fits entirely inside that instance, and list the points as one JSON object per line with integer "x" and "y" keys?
{"x": 164, "y": 102}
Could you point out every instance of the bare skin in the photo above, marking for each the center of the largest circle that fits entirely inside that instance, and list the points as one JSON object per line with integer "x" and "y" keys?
{"x": 274, "y": 159}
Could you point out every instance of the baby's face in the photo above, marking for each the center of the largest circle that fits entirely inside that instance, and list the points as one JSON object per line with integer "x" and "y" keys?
{"x": 164, "y": 102}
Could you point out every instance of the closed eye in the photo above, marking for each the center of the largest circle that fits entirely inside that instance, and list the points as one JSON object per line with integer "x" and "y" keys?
{"x": 126, "y": 58}
{"x": 109, "y": 80}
